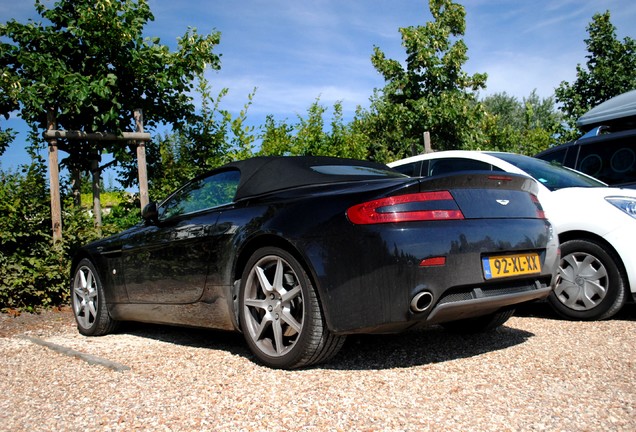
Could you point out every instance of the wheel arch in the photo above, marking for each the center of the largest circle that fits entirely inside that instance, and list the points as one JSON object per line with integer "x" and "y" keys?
{"x": 84, "y": 254}
{"x": 594, "y": 238}
{"x": 97, "y": 262}
{"x": 272, "y": 240}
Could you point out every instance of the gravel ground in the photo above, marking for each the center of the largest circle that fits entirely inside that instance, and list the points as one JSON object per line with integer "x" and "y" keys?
{"x": 535, "y": 373}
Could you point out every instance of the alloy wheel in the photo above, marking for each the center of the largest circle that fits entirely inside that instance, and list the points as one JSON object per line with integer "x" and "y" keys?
{"x": 85, "y": 297}
{"x": 273, "y": 306}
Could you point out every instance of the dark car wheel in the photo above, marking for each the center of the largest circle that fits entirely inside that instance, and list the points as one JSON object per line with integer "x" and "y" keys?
{"x": 280, "y": 315}
{"x": 590, "y": 286}
{"x": 479, "y": 324}
{"x": 89, "y": 302}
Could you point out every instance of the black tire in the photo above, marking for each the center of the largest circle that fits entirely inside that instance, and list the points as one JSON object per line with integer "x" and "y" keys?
{"x": 479, "y": 324}
{"x": 590, "y": 285}
{"x": 280, "y": 314}
{"x": 89, "y": 301}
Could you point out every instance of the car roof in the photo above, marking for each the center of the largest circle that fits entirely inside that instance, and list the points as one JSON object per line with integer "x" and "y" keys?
{"x": 495, "y": 158}
{"x": 619, "y": 112}
{"x": 490, "y": 157}
{"x": 266, "y": 174}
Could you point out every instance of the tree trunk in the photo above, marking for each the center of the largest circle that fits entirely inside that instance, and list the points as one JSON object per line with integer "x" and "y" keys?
{"x": 97, "y": 204}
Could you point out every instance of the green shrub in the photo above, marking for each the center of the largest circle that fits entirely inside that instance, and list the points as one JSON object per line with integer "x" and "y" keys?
{"x": 122, "y": 215}
{"x": 34, "y": 273}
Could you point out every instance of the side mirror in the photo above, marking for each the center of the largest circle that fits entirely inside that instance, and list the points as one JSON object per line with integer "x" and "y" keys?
{"x": 150, "y": 213}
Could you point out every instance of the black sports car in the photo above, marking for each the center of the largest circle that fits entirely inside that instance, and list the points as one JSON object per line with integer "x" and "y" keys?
{"x": 298, "y": 252}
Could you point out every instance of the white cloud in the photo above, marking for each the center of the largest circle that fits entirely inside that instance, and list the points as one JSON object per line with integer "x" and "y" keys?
{"x": 295, "y": 51}
{"x": 519, "y": 75}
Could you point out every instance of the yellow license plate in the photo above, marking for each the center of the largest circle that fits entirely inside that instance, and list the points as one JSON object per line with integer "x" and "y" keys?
{"x": 511, "y": 265}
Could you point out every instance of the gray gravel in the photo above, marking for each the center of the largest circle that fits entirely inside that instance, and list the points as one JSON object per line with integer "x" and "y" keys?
{"x": 534, "y": 373}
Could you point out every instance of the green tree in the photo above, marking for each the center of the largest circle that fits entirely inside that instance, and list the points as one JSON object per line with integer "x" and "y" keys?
{"x": 609, "y": 71}
{"x": 345, "y": 139}
{"x": 527, "y": 126}
{"x": 90, "y": 64}
{"x": 276, "y": 138}
{"x": 431, "y": 93}
{"x": 310, "y": 135}
{"x": 212, "y": 138}
{"x": 8, "y": 97}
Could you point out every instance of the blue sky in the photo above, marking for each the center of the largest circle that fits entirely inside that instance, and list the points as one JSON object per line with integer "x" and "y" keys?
{"x": 295, "y": 51}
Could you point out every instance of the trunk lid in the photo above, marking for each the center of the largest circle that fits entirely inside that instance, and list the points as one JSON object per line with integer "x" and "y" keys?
{"x": 490, "y": 196}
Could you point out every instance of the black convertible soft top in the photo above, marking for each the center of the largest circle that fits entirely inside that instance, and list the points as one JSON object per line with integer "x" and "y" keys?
{"x": 261, "y": 175}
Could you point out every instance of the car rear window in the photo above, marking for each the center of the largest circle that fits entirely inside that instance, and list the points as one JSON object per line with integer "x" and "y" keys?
{"x": 551, "y": 176}
{"x": 354, "y": 170}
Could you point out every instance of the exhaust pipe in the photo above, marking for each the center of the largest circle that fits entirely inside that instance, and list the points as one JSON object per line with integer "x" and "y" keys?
{"x": 421, "y": 301}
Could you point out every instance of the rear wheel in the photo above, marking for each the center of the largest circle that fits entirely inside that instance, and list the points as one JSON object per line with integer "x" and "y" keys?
{"x": 479, "y": 324}
{"x": 590, "y": 286}
{"x": 89, "y": 301}
{"x": 280, "y": 315}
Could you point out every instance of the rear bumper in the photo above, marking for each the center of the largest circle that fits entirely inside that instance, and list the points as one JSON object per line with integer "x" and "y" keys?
{"x": 478, "y": 302}
{"x": 454, "y": 304}
{"x": 367, "y": 282}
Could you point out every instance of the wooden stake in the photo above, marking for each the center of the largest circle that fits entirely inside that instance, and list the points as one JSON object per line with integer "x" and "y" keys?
{"x": 97, "y": 203}
{"x": 141, "y": 160}
{"x": 427, "y": 142}
{"x": 54, "y": 179}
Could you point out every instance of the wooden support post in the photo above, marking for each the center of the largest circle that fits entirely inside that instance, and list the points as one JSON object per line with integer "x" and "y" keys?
{"x": 141, "y": 160}
{"x": 76, "y": 186}
{"x": 97, "y": 203}
{"x": 427, "y": 142}
{"x": 54, "y": 179}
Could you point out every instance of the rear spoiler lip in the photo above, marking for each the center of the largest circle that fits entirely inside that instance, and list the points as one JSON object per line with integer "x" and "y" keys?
{"x": 480, "y": 180}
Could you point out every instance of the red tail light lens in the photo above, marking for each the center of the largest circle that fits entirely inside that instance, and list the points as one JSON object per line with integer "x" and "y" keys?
{"x": 433, "y": 262}
{"x": 425, "y": 206}
{"x": 540, "y": 212}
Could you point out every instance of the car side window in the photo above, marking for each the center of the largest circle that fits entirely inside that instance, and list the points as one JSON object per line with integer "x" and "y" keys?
{"x": 208, "y": 192}
{"x": 412, "y": 169}
{"x": 452, "y": 165}
{"x": 555, "y": 157}
{"x": 612, "y": 161}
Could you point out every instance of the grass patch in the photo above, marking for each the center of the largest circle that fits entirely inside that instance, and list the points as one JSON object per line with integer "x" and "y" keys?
{"x": 108, "y": 199}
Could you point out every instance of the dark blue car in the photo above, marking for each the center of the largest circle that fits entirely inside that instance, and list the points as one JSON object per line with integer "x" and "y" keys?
{"x": 298, "y": 252}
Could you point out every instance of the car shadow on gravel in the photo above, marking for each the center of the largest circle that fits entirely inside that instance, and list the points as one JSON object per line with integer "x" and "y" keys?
{"x": 543, "y": 310}
{"x": 421, "y": 347}
{"x": 436, "y": 345}
{"x": 193, "y": 337}
{"x": 360, "y": 352}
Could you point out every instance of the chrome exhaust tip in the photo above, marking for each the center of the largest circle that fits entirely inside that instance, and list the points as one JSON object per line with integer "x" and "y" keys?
{"x": 421, "y": 301}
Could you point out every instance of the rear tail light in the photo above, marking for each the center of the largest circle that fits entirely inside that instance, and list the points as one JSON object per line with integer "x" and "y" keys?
{"x": 424, "y": 206}
{"x": 433, "y": 262}
{"x": 540, "y": 212}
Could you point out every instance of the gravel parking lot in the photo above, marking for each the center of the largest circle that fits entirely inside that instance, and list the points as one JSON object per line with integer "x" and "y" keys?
{"x": 534, "y": 373}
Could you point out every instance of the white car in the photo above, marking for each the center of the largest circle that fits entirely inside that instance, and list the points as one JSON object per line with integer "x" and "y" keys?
{"x": 596, "y": 225}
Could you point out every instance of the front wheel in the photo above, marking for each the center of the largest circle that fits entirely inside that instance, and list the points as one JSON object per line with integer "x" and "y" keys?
{"x": 590, "y": 284}
{"x": 89, "y": 301}
{"x": 280, "y": 315}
